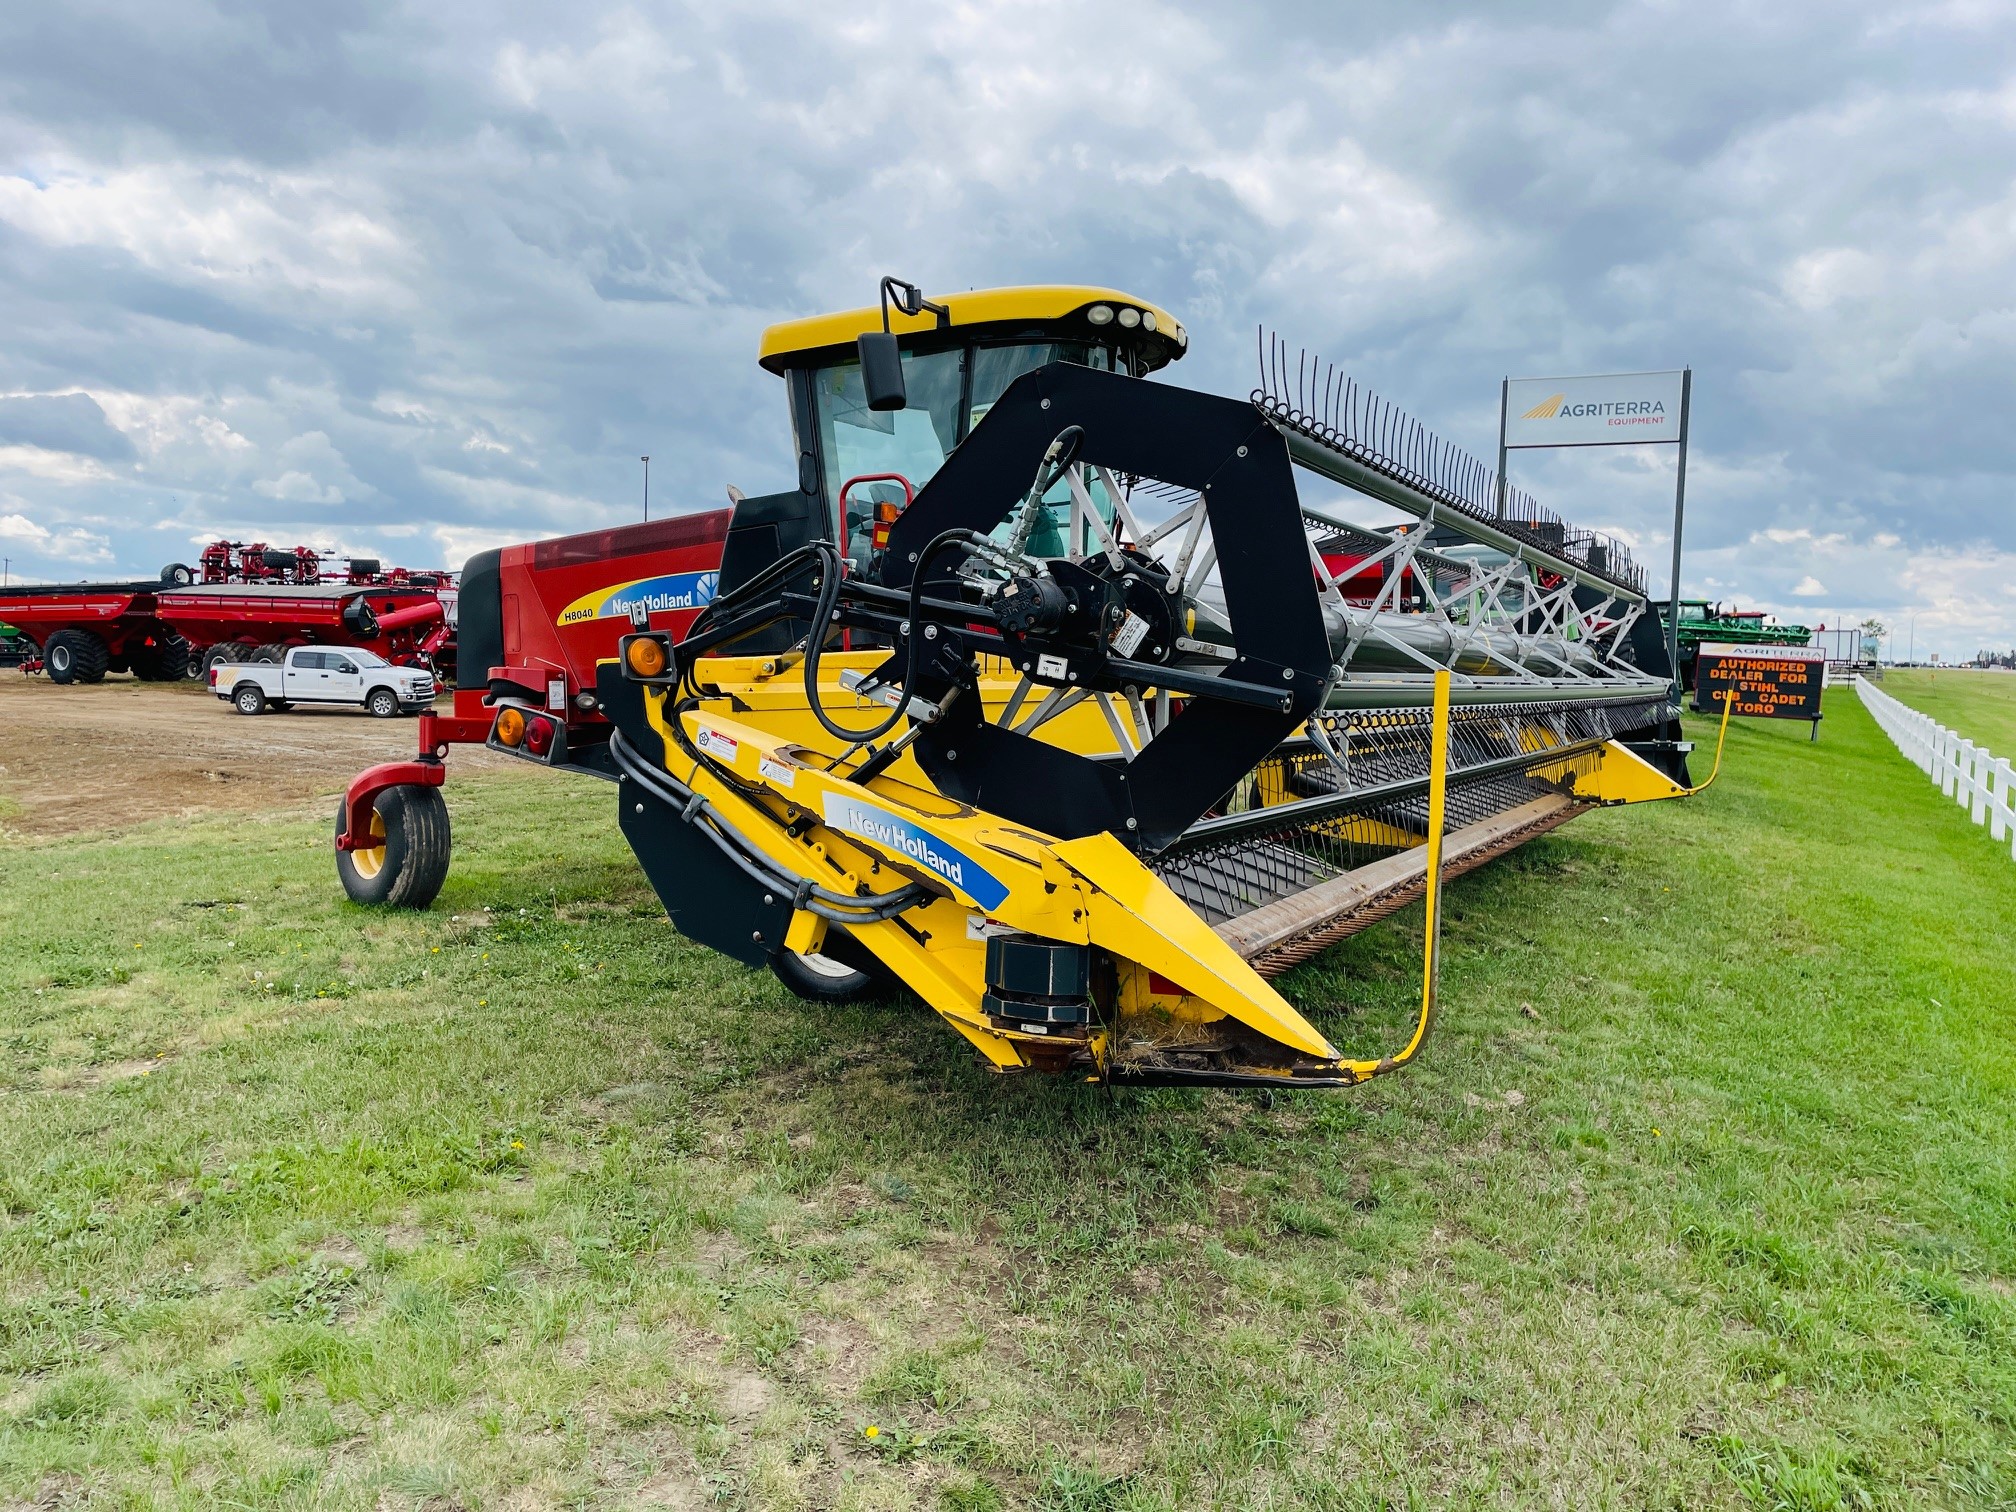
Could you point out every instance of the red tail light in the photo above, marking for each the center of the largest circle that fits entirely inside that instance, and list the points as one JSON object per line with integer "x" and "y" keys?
{"x": 538, "y": 736}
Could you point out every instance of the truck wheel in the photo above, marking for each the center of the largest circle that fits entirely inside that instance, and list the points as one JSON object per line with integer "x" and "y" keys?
{"x": 383, "y": 703}
{"x": 225, "y": 651}
{"x": 273, "y": 652}
{"x": 843, "y": 972}
{"x": 408, "y": 861}
{"x": 249, "y": 698}
{"x": 76, "y": 656}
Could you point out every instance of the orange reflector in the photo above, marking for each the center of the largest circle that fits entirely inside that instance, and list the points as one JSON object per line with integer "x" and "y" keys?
{"x": 646, "y": 656}
{"x": 510, "y": 727}
{"x": 885, "y": 514}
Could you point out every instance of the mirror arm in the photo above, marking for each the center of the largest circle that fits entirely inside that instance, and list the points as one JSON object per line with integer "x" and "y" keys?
{"x": 911, "y": 301}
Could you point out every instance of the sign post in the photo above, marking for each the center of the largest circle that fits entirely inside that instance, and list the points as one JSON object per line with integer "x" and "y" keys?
{"x": 1604, "y": 409}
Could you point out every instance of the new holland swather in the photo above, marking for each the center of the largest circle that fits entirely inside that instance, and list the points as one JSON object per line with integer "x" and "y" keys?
{"x": 1048, "y": 695}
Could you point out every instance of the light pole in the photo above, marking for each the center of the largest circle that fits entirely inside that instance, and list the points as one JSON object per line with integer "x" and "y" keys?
{"x": 1911, "y": 656}
{"x": 647, "y": 486}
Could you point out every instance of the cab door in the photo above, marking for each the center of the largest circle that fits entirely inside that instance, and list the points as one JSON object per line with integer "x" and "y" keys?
{"x": 346, "y": 678}
{"x": 307, "y": 676}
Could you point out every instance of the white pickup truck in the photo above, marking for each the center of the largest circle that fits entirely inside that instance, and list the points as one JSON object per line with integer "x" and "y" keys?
{"x": 324, "y": 675}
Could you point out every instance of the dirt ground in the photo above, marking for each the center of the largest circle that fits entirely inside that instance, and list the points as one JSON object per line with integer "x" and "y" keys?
{"x": 80, "y": 759}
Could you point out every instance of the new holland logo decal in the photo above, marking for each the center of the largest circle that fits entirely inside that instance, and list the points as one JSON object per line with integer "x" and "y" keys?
{"x": 659, "y": 595}
{"x": 892, "y": 832}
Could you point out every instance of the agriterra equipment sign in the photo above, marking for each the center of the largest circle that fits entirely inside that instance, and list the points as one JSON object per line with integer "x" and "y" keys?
{"x": 1769, "y": 682}
{"x": 1616, "y": 409}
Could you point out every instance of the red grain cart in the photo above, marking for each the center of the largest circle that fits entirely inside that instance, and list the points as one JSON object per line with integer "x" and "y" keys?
{"x": 259, "y": 621}
{"x": 81, "y": 631}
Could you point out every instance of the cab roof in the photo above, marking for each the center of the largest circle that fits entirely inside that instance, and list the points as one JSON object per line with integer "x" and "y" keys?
{"x": 1061, "y": 310}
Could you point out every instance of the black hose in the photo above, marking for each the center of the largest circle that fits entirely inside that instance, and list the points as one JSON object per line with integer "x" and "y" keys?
{"x": 829, "y": 600}
{"x": 835, "y": 907}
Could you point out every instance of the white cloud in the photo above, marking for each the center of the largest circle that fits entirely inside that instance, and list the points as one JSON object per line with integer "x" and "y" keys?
{"x": 222, "y": 223}
{"x": 312, "y": 471}
{"x": 1809, "y": 587}
{"x": 52, "y": 466}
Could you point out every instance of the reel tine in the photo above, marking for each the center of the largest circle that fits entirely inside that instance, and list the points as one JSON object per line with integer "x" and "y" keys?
{"x": 1334, "y": 408}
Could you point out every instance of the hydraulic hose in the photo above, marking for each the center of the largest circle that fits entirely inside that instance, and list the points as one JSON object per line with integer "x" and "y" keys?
{"x": 829, "y": 601}
{"x": 694, "y": 809}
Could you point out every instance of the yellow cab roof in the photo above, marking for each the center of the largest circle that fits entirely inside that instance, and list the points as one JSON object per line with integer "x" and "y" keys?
{"x": 1059, "y": 307}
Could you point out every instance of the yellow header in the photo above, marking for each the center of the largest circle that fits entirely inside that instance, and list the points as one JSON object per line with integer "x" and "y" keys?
{"x": 1055, "y": 304}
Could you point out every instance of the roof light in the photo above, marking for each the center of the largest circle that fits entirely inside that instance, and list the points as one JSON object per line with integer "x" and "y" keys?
{"x": 1130, "y": 318}
{"x": 1147, "y": 320}
{"x": 1100, "y": 314}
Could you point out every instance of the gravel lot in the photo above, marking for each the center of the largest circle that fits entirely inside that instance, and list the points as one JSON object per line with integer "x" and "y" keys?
{"x": 81, "y": 759}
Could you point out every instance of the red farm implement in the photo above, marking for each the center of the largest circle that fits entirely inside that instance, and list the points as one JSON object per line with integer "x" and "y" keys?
{"x": 81, "y": 631}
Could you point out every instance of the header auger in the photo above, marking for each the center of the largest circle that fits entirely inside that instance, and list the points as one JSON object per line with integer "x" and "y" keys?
{"x": 1085, "y": 724}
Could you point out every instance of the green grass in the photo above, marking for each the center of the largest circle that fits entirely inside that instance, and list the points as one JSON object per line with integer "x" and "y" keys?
{"x": 525, "y": 1202}
{"x": 1979, "y": 706}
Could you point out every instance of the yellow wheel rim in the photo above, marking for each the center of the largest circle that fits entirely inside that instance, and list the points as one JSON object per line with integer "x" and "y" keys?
{"x": 369, "y": 860}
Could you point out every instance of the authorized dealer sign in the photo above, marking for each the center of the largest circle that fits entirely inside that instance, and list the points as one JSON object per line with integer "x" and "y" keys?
{"x": 1613, "y": 409}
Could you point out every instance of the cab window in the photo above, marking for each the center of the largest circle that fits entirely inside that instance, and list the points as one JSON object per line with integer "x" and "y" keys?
{"x": 913, "y": 441}
{"x": 995, "y": 367}
{"x": 949, "y": 392}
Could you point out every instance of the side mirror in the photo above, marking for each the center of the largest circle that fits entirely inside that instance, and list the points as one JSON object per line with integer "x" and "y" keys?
{"x": 882, "y": 371}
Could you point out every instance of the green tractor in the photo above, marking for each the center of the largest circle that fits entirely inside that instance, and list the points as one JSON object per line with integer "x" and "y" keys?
{"x": 1704, "y": 621}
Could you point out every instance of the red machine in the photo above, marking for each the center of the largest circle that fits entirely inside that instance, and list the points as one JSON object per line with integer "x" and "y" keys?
{"x": 84, "y": 630}
{"x": 240, "y": 562}
{"x": 535, "y": 619}
{"x": 259, "y": 621}
{"x": 256, "y": 562}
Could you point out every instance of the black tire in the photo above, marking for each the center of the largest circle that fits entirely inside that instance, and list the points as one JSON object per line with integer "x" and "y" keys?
{"x": 249, "y": 698}
{"x": 75, "y": 656}
{"x": 272, "y": 653}
{"x": 408, "y": 869}
{"x": 178, "y": 575}
{"x": 225, "y": 651}
{"x": 383, "y": 703}
{"x": 843, "y": 972}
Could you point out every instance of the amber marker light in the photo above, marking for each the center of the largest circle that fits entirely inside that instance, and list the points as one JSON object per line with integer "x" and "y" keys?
{"x": 646, "y": 656}
{"x": 510, "y": 727}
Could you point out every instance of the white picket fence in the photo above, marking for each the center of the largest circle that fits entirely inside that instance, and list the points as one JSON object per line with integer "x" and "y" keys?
{"x": 1972, "y": 776}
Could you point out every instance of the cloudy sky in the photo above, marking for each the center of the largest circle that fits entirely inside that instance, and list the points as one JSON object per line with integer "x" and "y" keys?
{"x": 408, "y": 280}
